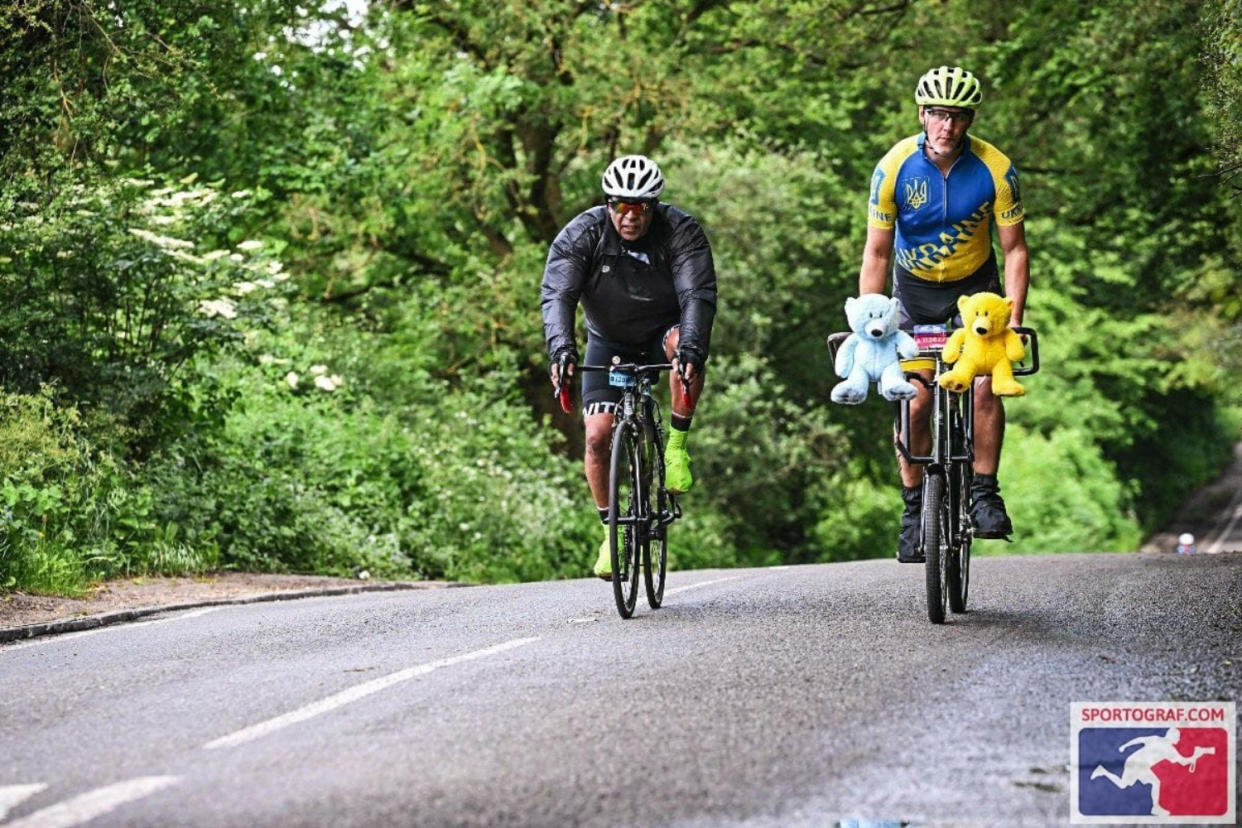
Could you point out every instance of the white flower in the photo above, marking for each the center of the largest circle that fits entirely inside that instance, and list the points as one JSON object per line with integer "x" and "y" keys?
{"x": 185, "y": 257}
{"x": 215, "y": 254}
{"x": 218, "y": 307}
{"x": 250, "y": 244}
{"x": 240, "y": 193}
{"x": 325, "y": 384}
{"x": 245, "y": 287}
{"x": 318, "y": 369}
{"x": 292, "y": 378}
{"x": 165, "y": 242}
{"x": 236, "y": 257}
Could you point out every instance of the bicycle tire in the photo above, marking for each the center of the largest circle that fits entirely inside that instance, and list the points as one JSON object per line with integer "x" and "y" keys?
{"x": 959, "y": 571}
{"x": 934, "y": 548}
{"x": 624, "y": 501}
{"x": 655, "y": 553}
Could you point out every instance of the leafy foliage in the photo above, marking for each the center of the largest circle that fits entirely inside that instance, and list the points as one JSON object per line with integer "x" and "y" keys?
{"x": 270, "y": 270}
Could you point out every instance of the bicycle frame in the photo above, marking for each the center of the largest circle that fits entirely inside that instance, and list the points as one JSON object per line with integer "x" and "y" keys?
{"x": 638, "y": 409}
{"x": 638, "y": 445}
{"x": 946, "y": 531}
{"x": 946, "y": 535}
{"x": 947, "y": 478}
{"x": 952, "y": 416}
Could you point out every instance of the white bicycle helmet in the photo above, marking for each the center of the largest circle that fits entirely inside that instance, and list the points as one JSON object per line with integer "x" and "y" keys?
{"x": 633, "y": 176}
{"x": 948, "y": 86}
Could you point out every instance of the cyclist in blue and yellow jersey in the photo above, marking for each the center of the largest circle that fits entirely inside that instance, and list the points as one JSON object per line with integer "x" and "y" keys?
{"x": 644, "y": 273}
{"x": 934, "y": 199}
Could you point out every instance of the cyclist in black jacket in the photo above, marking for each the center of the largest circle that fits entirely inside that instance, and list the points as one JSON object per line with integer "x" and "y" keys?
{"x": 644, "y": 275}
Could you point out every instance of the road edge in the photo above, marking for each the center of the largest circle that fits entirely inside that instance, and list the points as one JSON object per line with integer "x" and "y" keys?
{"x": 90, "y": 622}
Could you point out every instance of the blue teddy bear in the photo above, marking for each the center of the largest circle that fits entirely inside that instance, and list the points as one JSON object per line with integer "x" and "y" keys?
{"x": 873, "y": 352}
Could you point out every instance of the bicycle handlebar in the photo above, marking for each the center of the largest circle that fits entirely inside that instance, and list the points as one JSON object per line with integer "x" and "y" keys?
{"x": 1032, "y": 351}
{"x": 1020, "y": 369}
{"x": 654, "y": 369}
{"x": 562, "y": 392}
{"x": 630, "y": 368}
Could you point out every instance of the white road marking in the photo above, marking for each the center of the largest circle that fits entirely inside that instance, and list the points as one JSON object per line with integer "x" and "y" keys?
{"x": 10, "y": 795}
{"x": 701, "y": 584}
{"x": 56, "y": 639}
{"x": 1236, "y": 506}
{"x": 94, "y": 803}
{"x": 355, "y": 693}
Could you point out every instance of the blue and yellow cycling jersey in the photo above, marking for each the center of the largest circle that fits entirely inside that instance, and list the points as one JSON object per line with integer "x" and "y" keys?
{"x": 944, "y": 223}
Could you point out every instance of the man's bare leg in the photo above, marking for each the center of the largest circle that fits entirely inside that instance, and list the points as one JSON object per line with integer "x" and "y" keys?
{"x": 597, "y": 459}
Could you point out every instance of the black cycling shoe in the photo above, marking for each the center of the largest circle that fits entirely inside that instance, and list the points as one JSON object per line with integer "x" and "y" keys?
{"x": 911, "y": 518}
{"x": 987, "y": 509}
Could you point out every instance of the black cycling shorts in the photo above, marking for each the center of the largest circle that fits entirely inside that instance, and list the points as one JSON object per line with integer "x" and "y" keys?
{"x": 598, "y": 397}
{"x": 934, "y": 303}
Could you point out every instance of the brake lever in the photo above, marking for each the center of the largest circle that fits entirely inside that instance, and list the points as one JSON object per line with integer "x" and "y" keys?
{"x": 564, "y": 392}
{"x": 564, "y": 397}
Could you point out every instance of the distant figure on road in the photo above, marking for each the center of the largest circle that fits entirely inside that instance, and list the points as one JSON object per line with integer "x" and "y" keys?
{"x": 1137, "y": 769}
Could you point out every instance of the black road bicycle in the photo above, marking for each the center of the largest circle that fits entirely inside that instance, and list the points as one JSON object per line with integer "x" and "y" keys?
{"x": 640, "y": 508}
{"x": 947, "y": 530}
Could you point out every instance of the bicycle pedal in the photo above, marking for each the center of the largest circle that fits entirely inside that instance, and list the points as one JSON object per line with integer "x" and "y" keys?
{"x": 916, "y": 559}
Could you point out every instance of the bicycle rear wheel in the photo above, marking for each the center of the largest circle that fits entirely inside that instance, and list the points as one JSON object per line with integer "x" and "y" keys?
{"x": 625, "y": 510}
{"x": 655, "y": 552}
{"x": 935, "y": 550}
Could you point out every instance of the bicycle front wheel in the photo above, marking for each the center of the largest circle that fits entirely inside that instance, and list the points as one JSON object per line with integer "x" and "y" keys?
{"x": 959, "y": 571}
{"x": 625, "y": 510}
{"x": 935, "y": 550}
{"x": 655, "y": 552}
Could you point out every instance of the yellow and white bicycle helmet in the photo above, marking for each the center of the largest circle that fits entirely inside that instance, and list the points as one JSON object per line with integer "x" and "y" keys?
{"x": 948, "y": 86}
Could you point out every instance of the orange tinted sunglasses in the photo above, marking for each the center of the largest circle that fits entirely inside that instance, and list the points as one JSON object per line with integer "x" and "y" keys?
{"x": 637, "y": 207}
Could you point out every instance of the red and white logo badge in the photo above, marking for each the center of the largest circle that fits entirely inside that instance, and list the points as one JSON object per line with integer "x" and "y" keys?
{"x": 1153, "y": 763}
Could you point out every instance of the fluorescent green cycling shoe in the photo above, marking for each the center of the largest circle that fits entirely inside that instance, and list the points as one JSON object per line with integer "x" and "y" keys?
{"x": 677, "y": 477}
{"x": 603, "y": 564}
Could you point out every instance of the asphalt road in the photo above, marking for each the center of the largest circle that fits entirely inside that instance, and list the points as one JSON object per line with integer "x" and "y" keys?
{"x": 775, "y": 697}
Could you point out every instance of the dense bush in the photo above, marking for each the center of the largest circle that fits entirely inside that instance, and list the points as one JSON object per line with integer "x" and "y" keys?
{"x": 269, "y": 272}
{"x": 71, "y": 513}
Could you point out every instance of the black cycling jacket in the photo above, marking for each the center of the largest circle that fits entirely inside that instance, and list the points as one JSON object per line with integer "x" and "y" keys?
{"x": 626, "y": 300}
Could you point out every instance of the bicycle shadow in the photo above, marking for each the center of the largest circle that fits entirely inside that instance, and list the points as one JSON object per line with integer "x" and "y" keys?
{"x": 1036, "y": 624}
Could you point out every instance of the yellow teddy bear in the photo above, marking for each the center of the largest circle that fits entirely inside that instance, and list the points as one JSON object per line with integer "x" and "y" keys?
{"x": 984, "y": 344}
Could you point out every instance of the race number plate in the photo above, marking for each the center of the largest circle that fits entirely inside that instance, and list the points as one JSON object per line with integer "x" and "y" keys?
{"x": 930, "y": 337}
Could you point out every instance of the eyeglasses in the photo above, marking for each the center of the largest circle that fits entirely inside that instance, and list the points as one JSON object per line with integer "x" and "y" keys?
{"x": 620, "y": 207}
{"x": 960, "y": 116}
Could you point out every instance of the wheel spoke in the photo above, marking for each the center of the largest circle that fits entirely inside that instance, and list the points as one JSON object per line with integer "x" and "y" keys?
{"x": 934, "y": 548}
